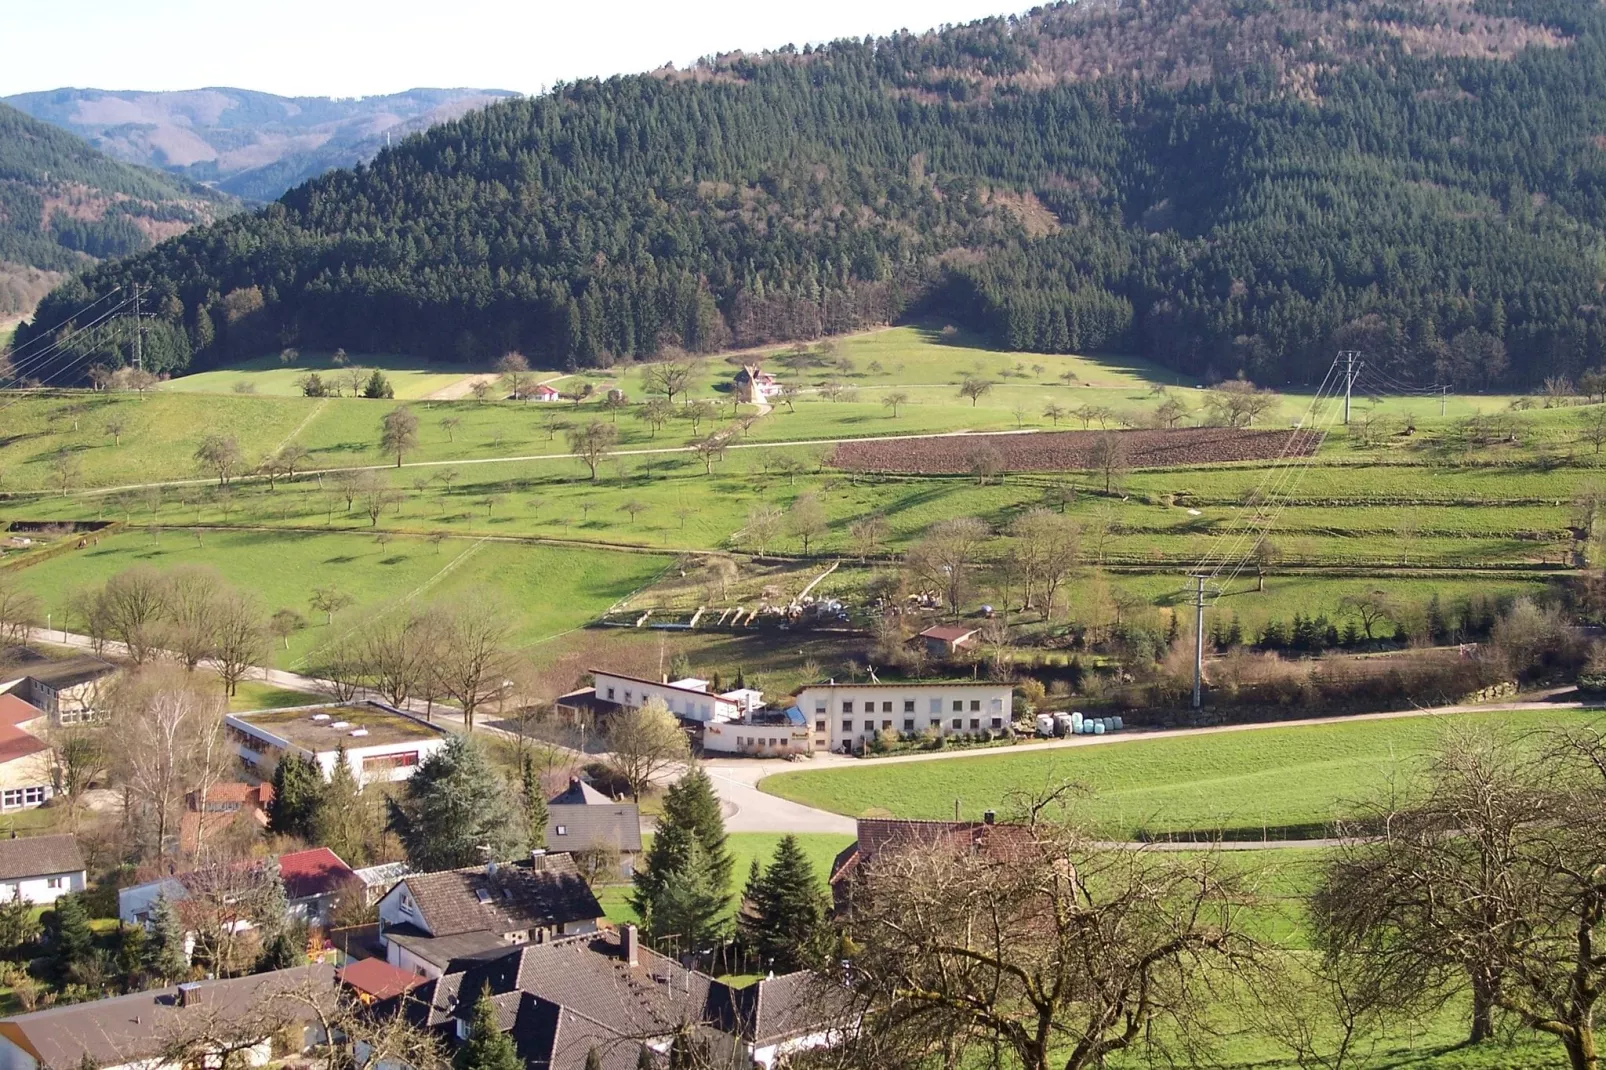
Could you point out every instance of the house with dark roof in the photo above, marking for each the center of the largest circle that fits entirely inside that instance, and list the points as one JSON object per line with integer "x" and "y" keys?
{"x": 40, "y": 869}
{"x": 605, "y": 992}
{"x": 878, "y": 837}
{"x": 583, "y": 819}
{"x": 753, "y": 385}
{"x": 430, "y": 919}
{"x": 69, "y": 689}
{"x": 142, "y": 1030}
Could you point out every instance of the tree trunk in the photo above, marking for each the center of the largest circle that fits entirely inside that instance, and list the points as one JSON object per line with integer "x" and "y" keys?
{"x": 1581, "y": 1049}
{"x": 1482, "y": 1006}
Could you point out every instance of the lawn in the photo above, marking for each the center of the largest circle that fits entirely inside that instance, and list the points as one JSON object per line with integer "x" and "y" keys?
{"x": 411, "y": 377}
{"x": 1240, "y": 781}
{"x": 545, "y": 590}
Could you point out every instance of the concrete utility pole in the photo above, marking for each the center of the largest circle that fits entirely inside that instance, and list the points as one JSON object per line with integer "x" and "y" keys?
{"x": 1348, "y": 357}
{"x": 139, "y": 333}
{"x": 1198, "y": 641}
{"x": 1444, "y": 394}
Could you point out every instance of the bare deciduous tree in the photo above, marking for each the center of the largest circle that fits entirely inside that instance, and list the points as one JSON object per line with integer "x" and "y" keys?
{"x": 472, "y": 660}
{"x": 169, "y": 730}
{"x": 643, "y": 742}
{"x": 943, "y": 558}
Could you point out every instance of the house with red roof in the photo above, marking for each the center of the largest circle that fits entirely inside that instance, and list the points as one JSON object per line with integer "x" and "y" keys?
{"x": 543, "y": 392}
{"x": 212, "y": 812}
{"x": 314, "y": 880}
{"x": 26, "y": 765}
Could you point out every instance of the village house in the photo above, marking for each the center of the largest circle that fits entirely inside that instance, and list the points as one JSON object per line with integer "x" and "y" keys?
{"x": 377, "y": 880}
{"x": 543, "y": 392}
{"x": 430, "y": 919}
{"x": 582, "y": 819}
{"x": 314, "y": 880}
{"x": 882, "y": 836}
{"x": 381, "y": 743}
{"x": 210, "y": 813}
{"x": 754, "y": 386}
{"x": 140, "y": 1031}
{"x": 27, "y": 762}
{"x": 763, "y": 733}
{"x": 847, "y": 716}
{"x": 946, "y": 640}
{"x": 605, "y": 992}
{"x": 40, "y": 869}
{"x": 69, "y": 690}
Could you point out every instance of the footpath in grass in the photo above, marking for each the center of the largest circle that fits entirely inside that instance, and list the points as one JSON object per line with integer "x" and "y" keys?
{"x": 546, "y": 590}
{"x": 1238, "y": 781}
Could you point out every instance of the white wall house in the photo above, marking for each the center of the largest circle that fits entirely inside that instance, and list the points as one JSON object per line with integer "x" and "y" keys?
{"x": 381, "y": 743}
{"x": 762, "y": 735}
{"x": 689, "y": 698}
{"x": 40, "y": 869}
{"x": 852, "y": 714}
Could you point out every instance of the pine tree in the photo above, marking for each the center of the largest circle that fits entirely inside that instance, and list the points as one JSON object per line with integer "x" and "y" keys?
{"x": 786, "y": 909}
{"x": 690, "y": 803}
{"x": 452, "y": 806}
{"x": 131, "y": 941}
{"x": 689, "y": 908}
{"x": 487, "y": 1047}
{"x": 535, "y": 811}
{"x": 297, "y": 790}
{"x": 593, "y": 1059}
{"x": 165, "y": 960}
{"x": 341, "y": 822}
{"x": 71, "y": 939}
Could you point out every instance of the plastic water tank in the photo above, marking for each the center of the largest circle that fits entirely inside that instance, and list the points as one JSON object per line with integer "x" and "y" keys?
{"x": 1098, "y": 728}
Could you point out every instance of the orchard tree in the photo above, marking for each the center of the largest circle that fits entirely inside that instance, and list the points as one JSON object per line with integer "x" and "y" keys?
{"x": 398, "y": 432}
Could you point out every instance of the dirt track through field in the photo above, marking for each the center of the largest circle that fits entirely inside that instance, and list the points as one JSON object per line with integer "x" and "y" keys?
{"x": 1067, "y": 451}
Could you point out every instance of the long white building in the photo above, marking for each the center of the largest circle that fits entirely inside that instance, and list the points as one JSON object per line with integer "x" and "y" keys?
{"x": 850, "y": 715}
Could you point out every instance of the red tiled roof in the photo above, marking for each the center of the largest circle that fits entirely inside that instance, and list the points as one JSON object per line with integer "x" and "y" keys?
{"x": 999, "y": 842}
{"x": 15, "y": 743}
{"x": 15, "y": 711}
{"x": 378, "y": 978}
{"x": 315, "y": 872}
{"x": 234, "y": 792}
{"x": 542, "y": 388}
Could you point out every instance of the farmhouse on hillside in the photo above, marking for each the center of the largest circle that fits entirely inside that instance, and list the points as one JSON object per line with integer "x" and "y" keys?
{"x": 946, "y": 640}
{"x": 848, "y": 716}
{"x": 543, "y": 392}
{"x": 40, "y": 869}
{"x": 429, "y": 920}
{"x": 381, "y": 743}
{"x": 753, "y": 386}
{"x": 605, "y": 992}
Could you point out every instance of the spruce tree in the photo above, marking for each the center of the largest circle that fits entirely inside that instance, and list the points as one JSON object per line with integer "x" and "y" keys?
{"x": 535, "y": 811}
{"x": 71, "y": 940}
{"x": 786, "y": 910}
{"x": 689, "y": 908}
{"x": 341, "y": 822}
{"x": 454, "y": 804}
{"x": 297, "y": 790}
{"x": 593, "y": 1059}
{"x": 644, "y": 1059}
{"x": 690, "y": 803}
{"x": 487, "y": 1047}
{"x": 165, "y": 960}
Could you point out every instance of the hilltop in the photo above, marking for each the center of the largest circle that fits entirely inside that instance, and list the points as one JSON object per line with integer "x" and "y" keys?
{"x": 1220, "y": 187}
{"x": 248, "y": 144}
{"x": 63, "y": 205}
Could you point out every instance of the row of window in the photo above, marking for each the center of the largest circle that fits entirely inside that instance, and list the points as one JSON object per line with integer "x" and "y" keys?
{"x": 691, "y": 707}
{"x": 933, "y": 706}
{"x": 390, "y": 761}
{"x": 12, "y": 798}
{"x": 255, "y": 744}
{"x": 957, "y": 724}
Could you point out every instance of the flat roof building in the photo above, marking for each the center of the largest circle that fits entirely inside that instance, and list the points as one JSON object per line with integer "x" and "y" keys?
{"x": 381, "y": 742}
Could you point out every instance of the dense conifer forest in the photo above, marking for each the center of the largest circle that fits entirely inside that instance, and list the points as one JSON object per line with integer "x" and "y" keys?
{"x": 1224, "y": 186}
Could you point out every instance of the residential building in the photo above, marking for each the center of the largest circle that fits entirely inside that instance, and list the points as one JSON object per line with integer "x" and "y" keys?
{"x": 606, "y": 992}
{"x": 847, "y": 716}
{"x": 762, "y": 733}
{"x": 429, "y": 919}
{"x": 881, "y": 836}
{"x": 583, "y": 819}
{"x": 314, "y": 880}
{"x": 69, "y": 689}
{"x": 40, "y": 869}
{"x": 209, "y": 814}
{"x": 27, "y": 763}
{"x": 139, "y": 1030}
{"x": 381, "y": 743}
{"x": 754, "y": 386}
{"x": 689, "y": 699}
{"x": 377, "y": 880}
{"x": 543, "y": 392}
{"x": 946, "y": 640}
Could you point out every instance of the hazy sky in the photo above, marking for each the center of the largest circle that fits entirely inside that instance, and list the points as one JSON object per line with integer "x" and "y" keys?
{"x": 362, "y": 47}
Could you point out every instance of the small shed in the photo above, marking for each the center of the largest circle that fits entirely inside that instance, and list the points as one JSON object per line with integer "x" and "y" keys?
{"x": 945, "y": 640}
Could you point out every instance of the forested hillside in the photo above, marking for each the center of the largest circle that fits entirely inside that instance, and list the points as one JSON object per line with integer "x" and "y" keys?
{"x": 248, "y": 144}
{"x": 1219, "y": 185}
{"x": 63, "y": 205}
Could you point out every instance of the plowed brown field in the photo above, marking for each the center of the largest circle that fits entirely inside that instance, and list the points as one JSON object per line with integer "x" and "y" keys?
{"x": 1064, "y": 451}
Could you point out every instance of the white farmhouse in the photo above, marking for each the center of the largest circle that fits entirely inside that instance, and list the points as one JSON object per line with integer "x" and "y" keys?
{"x": 381, "y": 742}
{"x": 40, "y": 869}
{"x": 689, "y": 699}
{"x": 848, "y": 716}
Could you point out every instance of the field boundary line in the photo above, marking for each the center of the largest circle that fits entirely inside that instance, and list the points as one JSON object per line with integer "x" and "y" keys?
{"x": 302, "y": 426}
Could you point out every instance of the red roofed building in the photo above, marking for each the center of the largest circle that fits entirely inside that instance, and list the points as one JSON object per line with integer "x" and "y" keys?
{"x": 223, "y": 806}
{"x": 313, "y": 880}
{"x": 542, "y": 392}
{"x": 946, "y": 639}
{"x": 882, "y": 836}
{"x": 25, "y": 765}
{"x": 375, "y": 979}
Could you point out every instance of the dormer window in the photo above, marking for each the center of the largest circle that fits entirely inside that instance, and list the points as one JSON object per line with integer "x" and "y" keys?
{"x": 462, "y": 1029}
{"x": 563, "y": 830}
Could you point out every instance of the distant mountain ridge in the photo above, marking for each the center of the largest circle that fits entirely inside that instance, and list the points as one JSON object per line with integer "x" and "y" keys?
{"x": 64, "y": 205}
{"x": 242, "y": 142}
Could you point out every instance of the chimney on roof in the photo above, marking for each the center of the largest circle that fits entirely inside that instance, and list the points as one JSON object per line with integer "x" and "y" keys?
{"x": 630, "y": 945}
{"x": 189, "y": 993}
{"x": 989, "y": 817}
